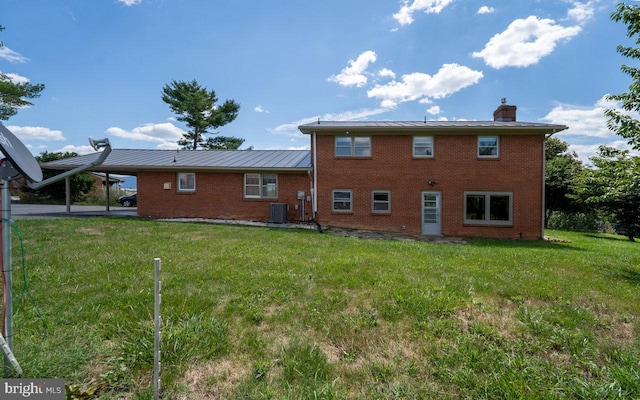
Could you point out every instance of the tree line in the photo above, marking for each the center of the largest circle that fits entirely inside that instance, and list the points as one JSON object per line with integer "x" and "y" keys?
{"x": 601, "y": 196}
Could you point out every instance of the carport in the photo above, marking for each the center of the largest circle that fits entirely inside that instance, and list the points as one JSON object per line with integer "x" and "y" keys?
{"x": 98, "y": 162}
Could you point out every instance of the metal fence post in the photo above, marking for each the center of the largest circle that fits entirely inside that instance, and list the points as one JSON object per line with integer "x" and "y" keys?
{"x": 158, "y": 334}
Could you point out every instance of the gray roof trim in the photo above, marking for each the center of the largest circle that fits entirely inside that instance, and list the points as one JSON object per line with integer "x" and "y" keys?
{"x": 131, "y": 161}
{"x": 442, "y": 127}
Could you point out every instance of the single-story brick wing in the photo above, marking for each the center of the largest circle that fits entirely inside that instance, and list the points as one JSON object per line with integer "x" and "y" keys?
{"x": 216, "y": 184}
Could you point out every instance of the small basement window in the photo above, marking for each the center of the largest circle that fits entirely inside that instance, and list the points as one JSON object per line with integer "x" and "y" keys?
{"x": 342, "y": 200}
{"x": 381, "y": 201}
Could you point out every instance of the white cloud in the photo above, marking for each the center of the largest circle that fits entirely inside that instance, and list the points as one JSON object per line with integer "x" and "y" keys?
{"x": 419, "y": 86}
{"x": 307, "y": 147}
{"x": 486, "y": 10}
{"x": 36, "y": 133}
{"x": 354, "y": 73}
{"x": 587, "y": 127}
{"x": 15, "y": 78}
{"x": 524, "y": 42}
{"x": 260, "y": 109}
{"x": 11, "y": 56}
{"x": 405, "y": 15}
{"x": 80, "y": 150}
{"x": 435, "y": 110}
{"x": 166, "y": 135}
{"x": 130, "y": 2}
{"x": 583, "y": 121}
{"x": 291, "y": 129}
{"x": 387, "y": 73}
{"x": 581, "y": 12}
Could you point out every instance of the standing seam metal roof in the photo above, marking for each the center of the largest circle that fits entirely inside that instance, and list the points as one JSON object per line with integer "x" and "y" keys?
{"x": 131, "y": 160}
{"x": 391, "y": 126}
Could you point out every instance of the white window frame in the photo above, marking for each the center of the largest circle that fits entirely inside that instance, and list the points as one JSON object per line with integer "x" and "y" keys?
{"x": 352, "y": 146}
{"x": 264, "y": 186}
{"x": 184, "y": 180}
{"x": 425, "y": 143}
{"x": 487, "y": 217}
{"x": 378, "y": 202}
{"x": 348, "y": 200}
{"x": 496, "y": 146}
{"x": 269, "y": 186}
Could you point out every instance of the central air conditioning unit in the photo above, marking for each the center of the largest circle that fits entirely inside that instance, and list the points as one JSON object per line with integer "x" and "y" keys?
{"x": 278, "y": 212}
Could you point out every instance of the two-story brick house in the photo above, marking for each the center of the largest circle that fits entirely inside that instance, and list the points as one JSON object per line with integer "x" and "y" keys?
{"x": 453, "y": 178}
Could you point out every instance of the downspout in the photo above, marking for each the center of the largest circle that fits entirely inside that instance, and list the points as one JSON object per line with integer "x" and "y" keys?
{"x": 315, "y": 181}
{"x": 544, "y": 184}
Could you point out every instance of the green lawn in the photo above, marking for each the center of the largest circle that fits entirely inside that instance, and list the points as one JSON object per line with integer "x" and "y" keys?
{"x": 258, "y": 313}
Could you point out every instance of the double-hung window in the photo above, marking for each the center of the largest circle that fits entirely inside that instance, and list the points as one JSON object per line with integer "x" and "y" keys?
{"x": 342, "y": 200}
{"x": 381, "y": 201}
{"x": 261, "y": 186}
{"x": 488, "y": 147}
{"x": 423, "y": 146}
{"x": 494, "y": 208}
{"x": 353, "y": 146}
{"x": 186, "y": 182}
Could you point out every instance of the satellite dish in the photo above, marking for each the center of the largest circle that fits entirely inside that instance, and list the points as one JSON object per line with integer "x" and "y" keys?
{"x": 19, "y": 156}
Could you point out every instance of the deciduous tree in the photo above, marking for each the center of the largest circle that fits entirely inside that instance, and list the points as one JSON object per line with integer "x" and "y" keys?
{"x": 196, "y": 107}
{"x": 618, "y": 121}
{"x": 561, "y": 168}
{"x": 613, "y": 186}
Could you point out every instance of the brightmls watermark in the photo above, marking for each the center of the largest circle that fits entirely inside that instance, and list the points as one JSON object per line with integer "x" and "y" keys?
{"x": 34, "y": 389}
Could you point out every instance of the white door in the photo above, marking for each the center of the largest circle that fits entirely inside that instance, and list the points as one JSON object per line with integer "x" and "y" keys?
{"x": 431, "y": 213}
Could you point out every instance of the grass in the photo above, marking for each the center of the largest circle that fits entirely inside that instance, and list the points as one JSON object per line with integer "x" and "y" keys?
{"x": 259, "y": 313}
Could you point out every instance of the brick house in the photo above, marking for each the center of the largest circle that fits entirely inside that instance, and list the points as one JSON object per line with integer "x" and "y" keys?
{"x": 214, "y": 184}
{"x": 452, "y": 178}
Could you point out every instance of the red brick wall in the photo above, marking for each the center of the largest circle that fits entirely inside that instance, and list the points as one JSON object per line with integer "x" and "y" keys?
{"x": 456, "y": 169}
{"x": 217, "y": 196}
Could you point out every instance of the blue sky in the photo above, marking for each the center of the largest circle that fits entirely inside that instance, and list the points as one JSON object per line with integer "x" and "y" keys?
{"x": 104, "y": 64}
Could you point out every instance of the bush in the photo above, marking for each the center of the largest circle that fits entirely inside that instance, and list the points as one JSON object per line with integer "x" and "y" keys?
{"x": 99, "y": 197}
{"x": 579, "y": 222}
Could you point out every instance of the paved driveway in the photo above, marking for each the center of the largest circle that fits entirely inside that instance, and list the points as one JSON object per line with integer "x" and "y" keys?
{"x": 19, "y": 210}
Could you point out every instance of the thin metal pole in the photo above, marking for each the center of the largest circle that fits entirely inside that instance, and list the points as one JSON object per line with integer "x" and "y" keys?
{"x": 158, "y": 337}
{"x": 67, "y": 191}
{"x": 7, "y": 270}
{"x": 108, "y": 187}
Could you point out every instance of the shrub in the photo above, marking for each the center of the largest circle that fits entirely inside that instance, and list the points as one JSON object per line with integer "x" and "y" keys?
{"x": 580, "y": 222}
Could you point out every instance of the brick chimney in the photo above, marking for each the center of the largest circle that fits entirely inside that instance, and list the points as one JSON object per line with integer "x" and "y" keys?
{"x": 504, "y": 112}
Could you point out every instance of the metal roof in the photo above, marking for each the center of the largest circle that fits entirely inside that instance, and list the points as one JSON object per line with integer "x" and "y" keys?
{"x": 129, "y": 161}
{"x": 444, "y": 127}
